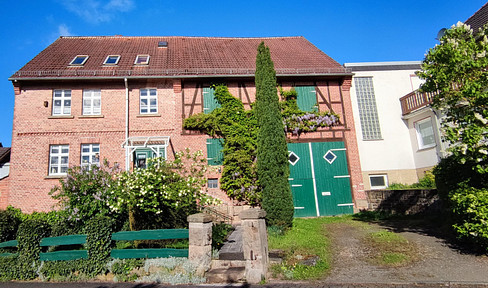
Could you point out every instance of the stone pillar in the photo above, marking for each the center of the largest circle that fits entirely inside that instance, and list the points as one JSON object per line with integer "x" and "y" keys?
{"x": 200, "y": 241}
{"x": 254, "y": 244}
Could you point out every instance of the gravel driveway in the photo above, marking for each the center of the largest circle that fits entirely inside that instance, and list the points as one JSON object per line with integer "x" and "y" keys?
{"x": 438, "y": 261}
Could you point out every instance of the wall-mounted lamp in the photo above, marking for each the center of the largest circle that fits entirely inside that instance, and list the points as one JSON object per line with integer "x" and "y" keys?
{"x": 46, "y": 103}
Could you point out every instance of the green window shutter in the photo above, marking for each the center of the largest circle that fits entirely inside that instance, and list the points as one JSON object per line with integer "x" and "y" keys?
{"x": 215, "y": 156}
{"x": 209, "y": 101}
{"x": 307, "y": 99}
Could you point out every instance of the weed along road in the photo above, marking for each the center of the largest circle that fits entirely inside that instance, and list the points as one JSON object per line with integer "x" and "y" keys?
{"x": 274, "y": 285}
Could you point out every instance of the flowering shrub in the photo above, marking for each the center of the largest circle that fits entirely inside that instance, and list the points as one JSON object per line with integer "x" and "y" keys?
{"x": 84, "y": 194}
{"x": 297, "y": 121}
{"x": 167, "y": 190}
{"x": 309, "y": 122}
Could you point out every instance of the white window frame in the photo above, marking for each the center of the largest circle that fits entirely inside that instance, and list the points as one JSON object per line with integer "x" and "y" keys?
{"x": 214, "y": 184}
{"x": 145, "y": 96}
{"x": 64, "y": 107}
{"x": 72, "y": 63}
{"x": 91, "y": 97}
{"x": 91, "y": 153}
{"x": 385, "y": 179}
{"x": 109, "y": 57}
{"x": 142, "y": 62}
{"x": 420, "y": 138}
{"x": 58, "y": 159}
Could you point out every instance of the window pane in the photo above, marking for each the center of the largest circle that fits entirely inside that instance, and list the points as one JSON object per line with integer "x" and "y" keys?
{"x": 368, "y": 114}
{"x": 377, "y": 181}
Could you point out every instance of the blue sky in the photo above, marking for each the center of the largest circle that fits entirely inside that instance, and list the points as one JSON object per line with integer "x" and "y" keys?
{"x": 348, "y": 31}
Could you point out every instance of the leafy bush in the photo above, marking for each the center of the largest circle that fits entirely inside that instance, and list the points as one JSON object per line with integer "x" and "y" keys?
{"x": 29, "y": 237}
{"x": 9, "y": 268}
{"x": 220, "y": 232}
{"x": 426, "y": 182}
{"x": 9, "y": 223}
{"x": 63, "y": 270}
{"x": 98, "y": 243}
{"x": 123, "y": 269}
{"x": 470, "y": 205}
{"x": 163, "y": 194}
{"x": 84, "y": 194}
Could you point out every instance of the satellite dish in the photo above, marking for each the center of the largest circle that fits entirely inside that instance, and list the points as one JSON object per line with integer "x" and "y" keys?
{"x": 441, "y": 33}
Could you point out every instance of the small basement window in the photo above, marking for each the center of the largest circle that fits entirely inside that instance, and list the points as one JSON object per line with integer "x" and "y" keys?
{"x": 112, "y": 60}
{"x": 79, "y": 60}
{"x": 213, "y": 183}
{"x": 142, "y": 60}
{"x": 378, "y": 181}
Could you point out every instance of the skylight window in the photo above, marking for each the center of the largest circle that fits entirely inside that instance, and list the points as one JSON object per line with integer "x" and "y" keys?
{"x": 142, "y": 60}
{"x": 112, "y": 60}
{"x": 79, "y": 60}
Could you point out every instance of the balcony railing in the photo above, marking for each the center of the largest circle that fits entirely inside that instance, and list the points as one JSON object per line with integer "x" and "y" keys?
{"x": 415, "y": 100}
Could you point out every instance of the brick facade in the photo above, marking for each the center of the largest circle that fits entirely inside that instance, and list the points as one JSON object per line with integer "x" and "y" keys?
{"x": 35, "y": 128}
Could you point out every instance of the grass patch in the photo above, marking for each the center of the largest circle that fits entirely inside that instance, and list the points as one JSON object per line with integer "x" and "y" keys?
{"x": 306, "y": 240}
{"x": 390, "y": 249}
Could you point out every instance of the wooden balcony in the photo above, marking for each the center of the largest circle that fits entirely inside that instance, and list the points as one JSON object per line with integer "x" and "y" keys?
{"x": 415, "y": 100}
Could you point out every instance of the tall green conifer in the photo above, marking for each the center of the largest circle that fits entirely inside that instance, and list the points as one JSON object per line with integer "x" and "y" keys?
{"x": 272, "y": 152}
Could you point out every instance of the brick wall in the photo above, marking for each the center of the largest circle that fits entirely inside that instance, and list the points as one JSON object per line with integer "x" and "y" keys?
{"x": 404, "y": 201}
{"x": 4, "y": 185}
{"x": 35, "y": 129}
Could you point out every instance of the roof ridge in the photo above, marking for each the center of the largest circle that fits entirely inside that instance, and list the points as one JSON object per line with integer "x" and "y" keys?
{"x": 476, "y": 12}
{"x": 196, "y": 37}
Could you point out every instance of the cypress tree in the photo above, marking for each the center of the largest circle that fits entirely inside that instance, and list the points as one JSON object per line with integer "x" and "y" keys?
{"x": 272, "y": 153}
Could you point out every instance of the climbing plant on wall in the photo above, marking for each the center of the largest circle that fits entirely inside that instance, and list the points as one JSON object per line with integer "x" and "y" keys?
{"x": 239, "y": 130}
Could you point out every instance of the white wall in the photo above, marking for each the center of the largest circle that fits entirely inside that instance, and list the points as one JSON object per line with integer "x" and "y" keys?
{"x": 394, "y": 151}
{"x": 4, "y": 170}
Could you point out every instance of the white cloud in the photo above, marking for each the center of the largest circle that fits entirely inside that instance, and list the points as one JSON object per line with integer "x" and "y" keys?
{"x": 98, "y": 11}
{"x": 63, "y": 30}
{"x": 120, "y": 5}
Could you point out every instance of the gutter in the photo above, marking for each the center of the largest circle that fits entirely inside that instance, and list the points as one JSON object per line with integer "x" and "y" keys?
{"x": 174, "y": 77}
{"x": 126, "y": 122}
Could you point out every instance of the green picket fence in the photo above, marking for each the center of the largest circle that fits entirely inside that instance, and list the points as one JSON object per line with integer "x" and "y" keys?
{"x": 161, "y": 234}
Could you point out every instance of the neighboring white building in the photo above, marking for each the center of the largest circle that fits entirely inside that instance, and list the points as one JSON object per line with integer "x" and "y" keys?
{"x": 398, "y": 134}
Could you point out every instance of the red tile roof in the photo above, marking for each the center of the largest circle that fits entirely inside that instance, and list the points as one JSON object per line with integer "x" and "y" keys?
{"x": 478, "y": 19}
{"x": 4, "y": 155}
{"x": 184, "y": 56}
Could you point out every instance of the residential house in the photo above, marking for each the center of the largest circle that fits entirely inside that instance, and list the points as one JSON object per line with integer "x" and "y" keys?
{"x": 398, "y": 133}
{"x": 84, "y": 99}
{"x": 479, "y": 18}
{"x": 4, "y": 170}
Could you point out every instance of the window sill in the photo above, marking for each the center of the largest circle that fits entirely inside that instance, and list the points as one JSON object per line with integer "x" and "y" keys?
{"x": 61, "y": 117}
{"x": 91, "y": 116}
{"x": 148, "y": 115}
{"x": 55, "y": 176}
{"x": 426, "y": 148}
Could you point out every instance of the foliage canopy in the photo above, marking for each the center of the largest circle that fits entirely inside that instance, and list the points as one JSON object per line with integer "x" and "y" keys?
{"x": 456, "y": 70}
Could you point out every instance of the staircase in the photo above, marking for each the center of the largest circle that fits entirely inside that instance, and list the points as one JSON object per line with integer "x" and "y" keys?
{"x": 230, "y": 267}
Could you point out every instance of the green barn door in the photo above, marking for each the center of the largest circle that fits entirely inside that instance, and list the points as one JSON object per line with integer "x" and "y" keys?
{"x": 301, "y": 180}
{"x": 333, "y": 184}
{"x": 319, "y": 179}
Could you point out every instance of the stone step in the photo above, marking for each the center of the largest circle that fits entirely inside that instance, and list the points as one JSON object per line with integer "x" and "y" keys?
{"x": 218, "y": 264}
{"x": 232, "y": 248}
{"x": 226, "y": 275}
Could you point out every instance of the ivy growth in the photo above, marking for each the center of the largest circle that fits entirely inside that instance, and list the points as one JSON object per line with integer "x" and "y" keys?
{"x": 238, "y": 128}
